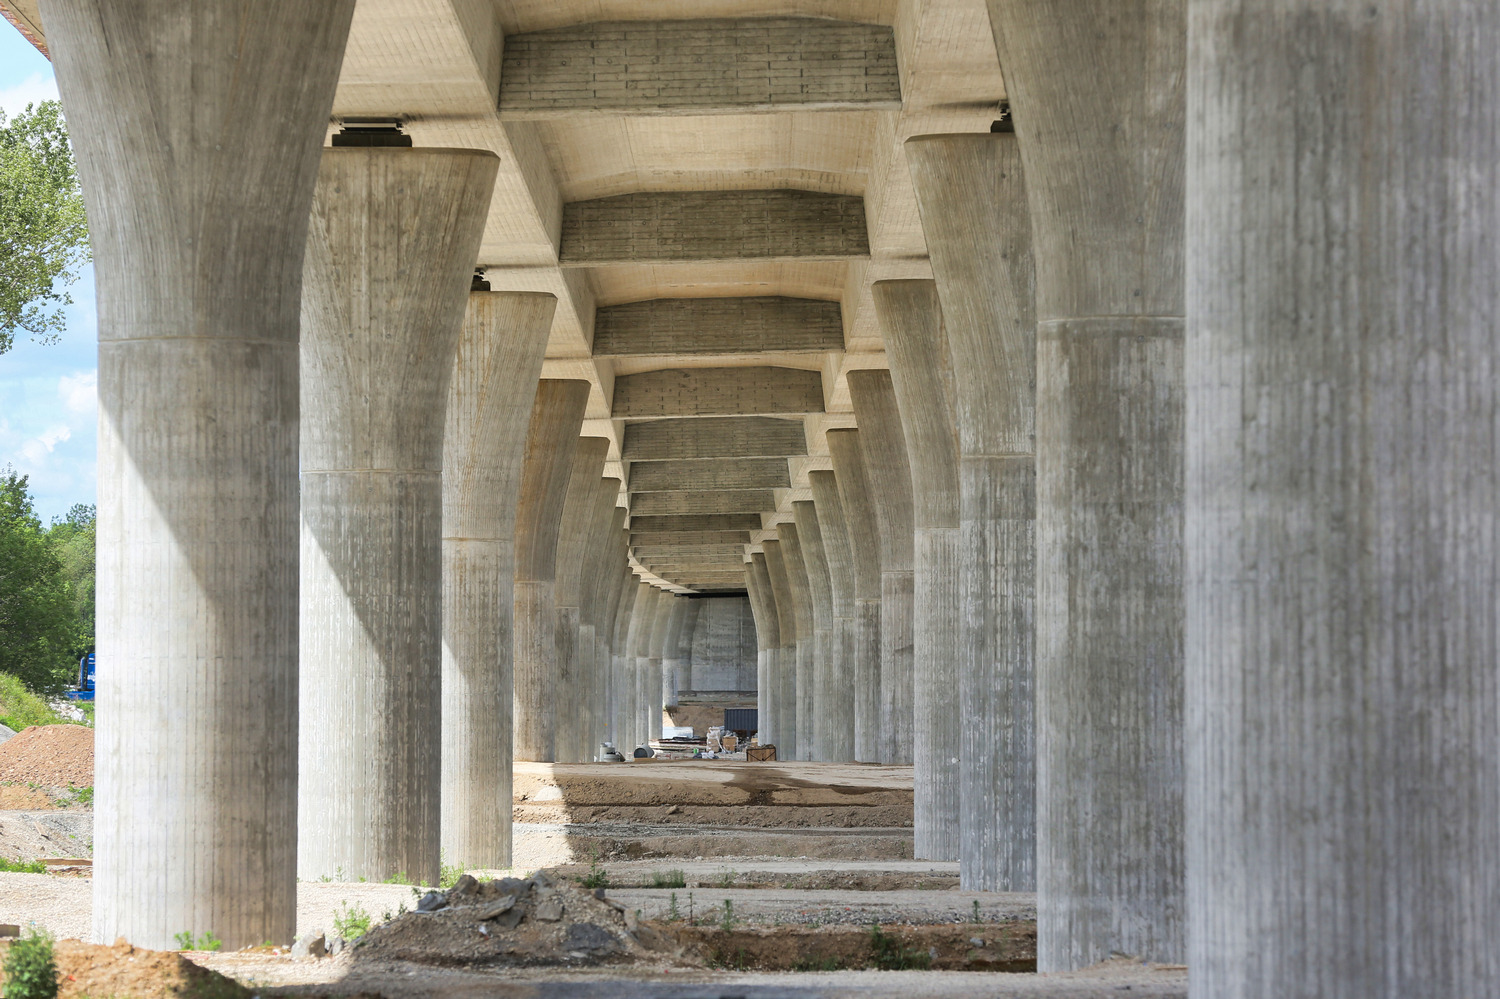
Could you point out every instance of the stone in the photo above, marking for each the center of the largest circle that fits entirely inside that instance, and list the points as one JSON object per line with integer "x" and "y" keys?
{"x": 465, "y": 886}
{"x": 499, "y": 908}
{"x": 432, "y": 902}
{"x": 549, "y": 910}
{"x": 310, "y": 945}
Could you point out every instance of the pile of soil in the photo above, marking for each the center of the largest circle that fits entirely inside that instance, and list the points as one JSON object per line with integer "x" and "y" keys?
{"x": 1008, "y": 947}
{"x": 49, "y": 755}
{"x": 538, "y": 921}
{"x": 85, "y": 970}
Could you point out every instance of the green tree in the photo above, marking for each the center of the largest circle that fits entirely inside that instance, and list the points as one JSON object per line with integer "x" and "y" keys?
{"x": 37, "y": 625}
{"x": 43, "y": 233}
{"x": 72, "y": 539}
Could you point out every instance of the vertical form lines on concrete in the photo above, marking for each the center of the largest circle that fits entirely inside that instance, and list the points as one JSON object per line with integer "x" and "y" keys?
{"x": 888, "y": 470}
{"x": 916, "y": 344}
{"x": 390, "y": 249}
{"x": 498, "y": 360}
{"x": 1099, "y": 99}
{"x": 809, "y": 538}
{"x": 767, "y": 642}
{"x": 620, "y": 666}
{"x": 568, "y": 683}
{"x": 972, "y": 202}
{"x": 677, "y": 659}
{"x": 551, "y": 444}
{"x": 656, "y": 653}
{"x": 613, "y": 570}
{"x": 834, "y": 686}
{"x": 863, "y": 533}
{"x": 807, "y": 638}
{"x": 789, "y": 631}
{"x": 590, "y": 726}
{"x": 198, "y": 149}
{"x": 637, "y": 660}
{"x": 1343, "y": 788}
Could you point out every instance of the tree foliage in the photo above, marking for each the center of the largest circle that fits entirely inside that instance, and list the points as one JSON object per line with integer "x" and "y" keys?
{"x": 43, "y": 233}
{"x": 39, "y": 628}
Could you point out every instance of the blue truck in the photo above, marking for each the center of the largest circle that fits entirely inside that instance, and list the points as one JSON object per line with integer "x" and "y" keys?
{"x": 85, "y": 691}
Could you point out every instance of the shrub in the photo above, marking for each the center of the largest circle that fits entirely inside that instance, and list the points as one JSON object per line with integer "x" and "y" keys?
{"x": 22, "y": 866}
{"x": 596, "y": 877}
{"x": 668, "y": 879}
{"x": 20, "y": 708}
{"x": 30, "y": 969}
{"x": 351, "y": 921}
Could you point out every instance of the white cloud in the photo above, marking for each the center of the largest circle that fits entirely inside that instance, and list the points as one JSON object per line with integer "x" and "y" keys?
{"x": 33, "y": 90}
{"x": 79, "y": 392}
{"x": 38, "y": 448}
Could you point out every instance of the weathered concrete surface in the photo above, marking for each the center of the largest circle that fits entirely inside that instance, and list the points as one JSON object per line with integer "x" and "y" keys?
{"x": 620, "y": 664}
{"x": 497, "y": 361}
{"x": 713, "y": 437}
{"x": 970, "y": 192}
{"x": 585, "y": 717}
{"x": 888, "y": 469}
{"x": 198, "y": 248}
{"x": 789, "y": 633}
{"x": 639, "y": 690}
{"x": 768, "y": 646}
{"x": 834, "y": 685}
{"x": 1100, "y": 109}
{"x": 809, "y": 539}
{"x": 651, "y": 684}
{"x": 1343, "y": 196}
{"x": 570, "y": 685}
{"x": 916, "y": 344}
{"x": 807, "y": 637}
{"x": 863, "y": 533}
{"x": 375, "y": 374}
{"x": 758, "y": 324}
{"x": 551, "y": 444}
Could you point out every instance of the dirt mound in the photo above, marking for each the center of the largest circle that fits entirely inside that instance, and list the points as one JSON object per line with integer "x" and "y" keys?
{"x": 49, "y": 755}
{"x": 85, "y": 970}
{"x": 532, "y": 922}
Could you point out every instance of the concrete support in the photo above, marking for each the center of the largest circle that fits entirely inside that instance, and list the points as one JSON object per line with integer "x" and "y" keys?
{"x": 498, "y": 360}
{"x": 375, "y": 374}
{"x": 767, "y": 646}
{"x": 551, "y": 443}
{"x": 809, "y": 539}
{"x": 863, "y": 533}
{"x": 834, "y": 686}
{"x": 922, "y": 375}
{"x": 677, "y": 660}
{"x": 1099, "y": 100}
{"x": 573, "y": 538}
{"x": 590, "y": 726}
{"x": 807, "y": 636}
{"x": 638, "y": 661}
{"x": 620, "y": 668}
{"x": 198, "y": 247}
{"x": 1343, "y": 789}
{"x": 888, "y": 469}
{"x": 614, "y": 570}
{"x": 656, "y": 649}
{"x": 971, "y": 198}
{"x": 788, "y": 628}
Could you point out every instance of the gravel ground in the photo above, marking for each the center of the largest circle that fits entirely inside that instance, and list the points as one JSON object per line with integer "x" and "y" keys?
{"x": 789, "y": 905}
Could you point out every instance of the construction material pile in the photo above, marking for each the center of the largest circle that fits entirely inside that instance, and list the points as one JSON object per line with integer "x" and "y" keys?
{"x": 89, "y": 970}
{"x": 539, "y": 920}
{"x": 49, "y": 756}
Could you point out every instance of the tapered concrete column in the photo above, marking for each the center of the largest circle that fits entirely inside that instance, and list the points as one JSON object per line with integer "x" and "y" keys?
{"x": 863, "y": 532}
{"x": 551, "y": 443}
{"x": 809, "y": 540}
{"x": 591, "y": 726}
{"x": 567, "y": 596}
{"x": 621, "y": 666}
{"x": 807, "y": 638}
{"x": 498, "y": 360}
{"x": 1100, "y": 109}
{"x": 788, "y": 632}
{"x": 614, "y": 570}
{"x": 767, "y": 647}
{"x": 1343, "y": 792}
{"x": 834, "y": 687}
{"x": 375, "y": 373}
{"x": 883, "y": 446}
{"x": 677, "y": 661}
{"x": 651, "y": 681}
{"x": 198, "y": 247}
{"x": 916, "y": 345}
{"x": 643, "y": 618}
{"x": 974, "y": 216}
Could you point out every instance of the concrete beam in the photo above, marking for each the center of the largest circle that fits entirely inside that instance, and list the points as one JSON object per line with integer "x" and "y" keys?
{"x": 693, "y": 226}
{"x": 714, "y": 437}
{"x": 731, "y": 473}
{"x": 725, "y": 501}
{"x": 707, "y": 326}
{"x": 699, "y": 66}
{"x": 698, "y": 522}
{"x": 692, "y": 392}
{"x": 675, "y": 538}
{"x": 645, "y": 552}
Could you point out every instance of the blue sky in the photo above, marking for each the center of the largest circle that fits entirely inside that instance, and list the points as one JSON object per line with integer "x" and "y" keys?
{"x": 48, "y": 397}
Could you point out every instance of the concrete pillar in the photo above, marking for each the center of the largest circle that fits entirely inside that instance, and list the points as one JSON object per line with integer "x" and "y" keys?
{"x": 620, "y": 669}
{"x": 375, "y": 374}
{"x": 863, "y": 532}
{"x": 591, "y": 725}
{"x": 1343, "y": 788}
{"x": 888, "y": 470}
{"x": 637, "y": 661}
{"x": 834, "y": 686}
{"x": 767, "y": 646}
{"x": 677, "y": 661}
{"x": 973, "y": 207}
{"x": 573, "y": 537}
{"x": 613, "y": 570}
{"x": 498, "y": 360}
{"x": 916, "y": 345}
{"x": 551, "y": 443}
{"x": 198, "y": 247}
{"x": 807, "y": 636}
{"x": 651, "y": 686}
{"x": 808, "y": 538}
{"x": 1104, "y": 81}
{"x": 788, "y": 630}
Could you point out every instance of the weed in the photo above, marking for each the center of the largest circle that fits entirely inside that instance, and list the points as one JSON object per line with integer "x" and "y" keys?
{"x": 596, "y": 877}
{"x": 672, "y": 914}
{"x": 737, "y": 963}
{"x": 449, "y": 874}
{"x": 726, "y": 921}
{"x": 691, "y": 920}
{"x": 818, "y": 964}
{"x": 668, "y": 879}
{"x": 20, "y": 708}
{"x": 78, "y": 796}
{"x": 726, "y": 879}
{"x": 890, "y": 955}
{"x": 186, "y": 941}
{"x": 976, "y": 911}
{"x": 22, "y": 866}
{"x": 399, "y": 878}
{"x": 351, "y": 921}
{"x": 30, "y": 969}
